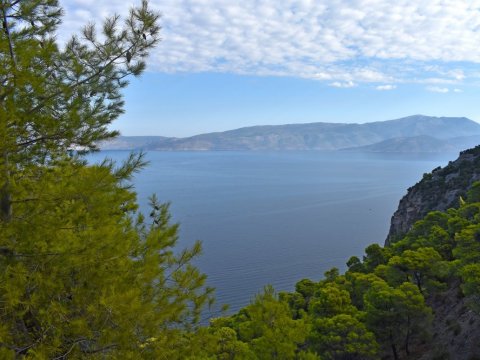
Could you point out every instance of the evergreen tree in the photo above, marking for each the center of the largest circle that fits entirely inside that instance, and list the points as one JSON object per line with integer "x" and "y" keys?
{"x": 396, "y": 315}
{"x": 53, "y": 99}
{"x": 330, "y": 300}
{"x": 342, "y": 337}
{"x": 82, "y": 274}
{"x": 418, "y": 265}
{"x": 267, "y": 326}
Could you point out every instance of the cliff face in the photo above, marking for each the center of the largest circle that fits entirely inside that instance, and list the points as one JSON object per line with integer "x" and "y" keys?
{"x": 455, "y": 328}
{"x": 439, "y": 190}
{"x": 455, "y": 333}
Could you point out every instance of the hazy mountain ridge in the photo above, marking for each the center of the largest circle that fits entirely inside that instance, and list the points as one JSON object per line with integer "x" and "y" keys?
{"x": 420, "y": 144}
{"x": 133, "y": 142}
{"x": 318, "y": 136}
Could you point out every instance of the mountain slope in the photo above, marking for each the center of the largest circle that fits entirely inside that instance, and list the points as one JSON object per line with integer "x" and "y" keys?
{"x": 438, "y": 190}
{"x": 455, "y": 330}
{"x": 419, "y": 144}
{"x": 315, "y": 136}
{"x": 415, "y": 125}
{"x": 133, "y": 142}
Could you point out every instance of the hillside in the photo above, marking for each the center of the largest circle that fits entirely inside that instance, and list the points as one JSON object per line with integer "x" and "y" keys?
{"x": 133, "y": 142}
{"x": 438, "y": 190}
{"x": 313, "y": 136}
{"x": 421, "y": 143}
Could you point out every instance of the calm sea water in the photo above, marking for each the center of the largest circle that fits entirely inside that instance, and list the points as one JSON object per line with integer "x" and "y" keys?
{"x": 277, "y": 217}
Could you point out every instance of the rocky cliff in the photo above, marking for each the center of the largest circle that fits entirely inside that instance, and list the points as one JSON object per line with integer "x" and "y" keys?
{"x": 439, "y": 190}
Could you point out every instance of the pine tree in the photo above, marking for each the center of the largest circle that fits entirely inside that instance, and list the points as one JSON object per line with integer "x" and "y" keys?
{"x": 82, "y": 273}
{"x": 53, "y": 99}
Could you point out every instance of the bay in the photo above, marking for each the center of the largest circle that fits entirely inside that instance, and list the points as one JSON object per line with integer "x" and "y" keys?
{"x": 277, "y": 217}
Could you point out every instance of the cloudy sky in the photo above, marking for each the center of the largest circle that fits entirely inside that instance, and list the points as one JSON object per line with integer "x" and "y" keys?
{"x": 224, "y": 64}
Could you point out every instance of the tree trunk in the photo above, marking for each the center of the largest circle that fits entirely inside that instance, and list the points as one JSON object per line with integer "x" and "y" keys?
{"x": 407, "y": 341}
{"x": 7, "y": 33}
{"x": 5, "y": 205}
{"x": 394, "y": 348}
{"x": 407, "y": 337}
{"x": 418, "y": 281}
{"x": 5, "y": 195}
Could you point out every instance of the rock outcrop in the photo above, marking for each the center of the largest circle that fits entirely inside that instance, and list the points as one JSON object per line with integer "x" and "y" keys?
{"x": 439, "y": 190}
{"x": 455, "y": 327}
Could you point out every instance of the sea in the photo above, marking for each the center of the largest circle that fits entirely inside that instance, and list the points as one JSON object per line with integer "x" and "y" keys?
{"x": 276, "y": 217}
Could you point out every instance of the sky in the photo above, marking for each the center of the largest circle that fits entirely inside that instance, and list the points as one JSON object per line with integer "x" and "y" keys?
{"x": 225, "y": 64}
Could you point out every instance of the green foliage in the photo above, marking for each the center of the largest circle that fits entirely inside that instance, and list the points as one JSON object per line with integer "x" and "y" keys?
{"x": 471, "y": 284}
{"x": 417, "y": 265}
{"x": 56, "y": 98}
{"x": 473, "y": 195}
{"x": 468, "y": 244}
{"x": 423, "y": 227}
{"x": 357, "y": 285}
{"x": 355, "y": 265}
{"x": 53, "y": 100}
{"x": 229, "y": 347}
{"x": 296, "y": 302}
{"x": 471, "y": 278}
{"x": 306, "y": 288}
{"x": 84, "y": 276}
{"x": 331, "y": 300}
{"x": 375, "y": 255}
{"x": 396, "y": 315}
{"x": 215, "y": 342}
{"x": 268, "y": 327}
{"x": 332, "y": 274}
{"x": 343, "y": 337}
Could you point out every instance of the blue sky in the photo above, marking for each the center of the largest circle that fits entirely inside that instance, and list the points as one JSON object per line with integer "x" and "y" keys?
{"x": 225, "y": 64}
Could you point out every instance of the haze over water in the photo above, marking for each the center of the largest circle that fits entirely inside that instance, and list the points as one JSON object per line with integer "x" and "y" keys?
{"x": 277, "y": 217}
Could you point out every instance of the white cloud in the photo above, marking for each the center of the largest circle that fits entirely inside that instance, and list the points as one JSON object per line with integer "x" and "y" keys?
{"x": 457, "y": 74}
{"x": 310, "y": 39}
{"x": 438, "y": 89}
{"x": 458, "y": 90}
{"x": 440, "y": 81}
{"x": 386, "y": 87}
{"x": 347, "y": 84}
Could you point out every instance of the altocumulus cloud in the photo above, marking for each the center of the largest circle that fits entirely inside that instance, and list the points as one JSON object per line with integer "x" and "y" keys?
{"x": 438, "y": 89}
{"x": 341, "y": 42}
{"x": 386, "y": 87}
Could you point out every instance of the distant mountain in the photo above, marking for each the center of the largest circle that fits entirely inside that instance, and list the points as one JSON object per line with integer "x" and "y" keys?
{"x": 421, "y": 143}
{"x": 133, "y": 142}
{"x": 418, "y": 144}
{"x": 465, "y": 142}
{"x": 313, "y": 136}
